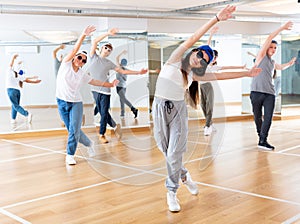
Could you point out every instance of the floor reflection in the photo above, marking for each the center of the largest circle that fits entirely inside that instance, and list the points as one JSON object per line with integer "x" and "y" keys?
{"x": 48, "y": 118}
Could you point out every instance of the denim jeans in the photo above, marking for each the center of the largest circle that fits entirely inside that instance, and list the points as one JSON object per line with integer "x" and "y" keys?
{"x": 103, "y": 104}
{"x": 14, "y": 96}
{"x": 123, "y": 100}
{"x": 263, "y": 123}
{"x": 71, "y": 114}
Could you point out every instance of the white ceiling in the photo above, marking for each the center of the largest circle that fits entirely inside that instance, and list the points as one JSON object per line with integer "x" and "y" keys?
{"x": 256, "y": 7}
{"x": 247, "y": 10}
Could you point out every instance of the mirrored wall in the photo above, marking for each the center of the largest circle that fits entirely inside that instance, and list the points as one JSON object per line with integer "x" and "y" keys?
{"x": 290, "y": 78}
{"x": 36, "y": 59}
{"x": 143, "y": 50}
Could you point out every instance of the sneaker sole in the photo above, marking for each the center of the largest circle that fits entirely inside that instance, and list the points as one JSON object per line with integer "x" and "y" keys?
{"x": 71, "y": 164}
{"x": 265, "y": 148}
{"x": 174, "y": 211}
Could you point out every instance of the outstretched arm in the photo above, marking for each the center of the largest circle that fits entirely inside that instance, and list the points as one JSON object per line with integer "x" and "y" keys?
{"x": 251, "y": 54}
{"x": 263, "y": 51}
{"x": 95, "y": 42}
{"x": 228, "y": 75}
{"x": 233, "y": 67}
{"x": 33, "y": 80}
{"x": 118, "y": 57}
{"x": 86, "y": 32}
{"x": 213, "y": 31}
{"x": 130, "y": 72}
{"x": 11, "y": 64}
{"x": 222, "y": 15}
{"x": 60, "y": 47}
{"x": 96, "y": 82}
{"x": 286, "y": 65}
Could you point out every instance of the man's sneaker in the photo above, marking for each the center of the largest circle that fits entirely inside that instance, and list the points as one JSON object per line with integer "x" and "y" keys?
{"x": 70, "y": 160}
{"x": 122, "y": 116}
{"x": 13, "y": 121}
{"x": 102, "y": 139}
{"x": 135, "y": 112}
{"x": 208, "y": 130}
{"x": 29, "y": 118}
{"x": 118, "y": 131}
{"x": 172, "y": 202}
{"x": 190, "y": 184}
{"x": 91, "y": 150}
{"x": 265, "y": 146}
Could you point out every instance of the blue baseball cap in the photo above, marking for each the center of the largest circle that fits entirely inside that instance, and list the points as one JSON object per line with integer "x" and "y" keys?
{"x": 21, "y": 72}
{"x": 208, "y": 51}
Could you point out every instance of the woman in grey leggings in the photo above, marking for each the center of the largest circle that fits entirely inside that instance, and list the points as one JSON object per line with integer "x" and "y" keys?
{"x": 169, "y": 110}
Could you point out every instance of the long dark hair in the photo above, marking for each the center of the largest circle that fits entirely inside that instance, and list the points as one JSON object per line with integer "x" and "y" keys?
{"x": 193, "y": 89}
{"x": 20, "y": 82}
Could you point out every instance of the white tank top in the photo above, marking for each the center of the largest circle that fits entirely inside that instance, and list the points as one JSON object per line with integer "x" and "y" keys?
{"x": 170, "y": 84}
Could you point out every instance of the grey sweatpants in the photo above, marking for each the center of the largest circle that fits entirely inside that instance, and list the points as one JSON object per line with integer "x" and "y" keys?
{"x": 207, "y": 101}
{"x": 170, "y": 132}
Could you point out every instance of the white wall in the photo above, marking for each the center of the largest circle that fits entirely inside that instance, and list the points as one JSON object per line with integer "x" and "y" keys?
{"x": 229, "y": 55}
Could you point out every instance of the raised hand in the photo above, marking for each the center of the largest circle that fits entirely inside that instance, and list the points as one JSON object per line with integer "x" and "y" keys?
{"x": 288, "y": 25}
{"x": 292, "y": 61}
{"x": 214, "y": 30}
{"x": 226, "y": 13}
{"x": 89, "y": 30}
{"x": 113, "y": 31}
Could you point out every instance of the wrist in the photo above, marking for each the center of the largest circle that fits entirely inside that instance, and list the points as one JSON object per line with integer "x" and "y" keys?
{"x": 218, "y": 20}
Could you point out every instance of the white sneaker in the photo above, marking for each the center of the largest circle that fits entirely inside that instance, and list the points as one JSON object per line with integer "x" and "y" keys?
{"x": 70, "y": 160}
{"x": 172, "y": 202}
{"x": 118, "y": 131}
{"x": 208, "y": 130}
{"x": 190, "y": 184}
{"x": 29, "y": 118}
{"x": 13, "y": 121}
{"x": 91, "y": 150}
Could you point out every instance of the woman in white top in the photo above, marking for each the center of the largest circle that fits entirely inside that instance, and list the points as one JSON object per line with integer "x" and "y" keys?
{"x": 169, "y": 108}
{"x": 69, "y": 80}
{"x": 14, "y": 83}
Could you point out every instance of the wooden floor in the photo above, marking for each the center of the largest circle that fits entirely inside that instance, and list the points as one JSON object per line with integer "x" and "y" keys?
{"x": 124, "y": 182}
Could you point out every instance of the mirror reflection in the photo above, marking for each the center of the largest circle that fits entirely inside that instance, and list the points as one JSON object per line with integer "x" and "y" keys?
{"x": 39, "y": 100}
{"x": 290, "y": 78}
{"x": 140, "y": 50}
